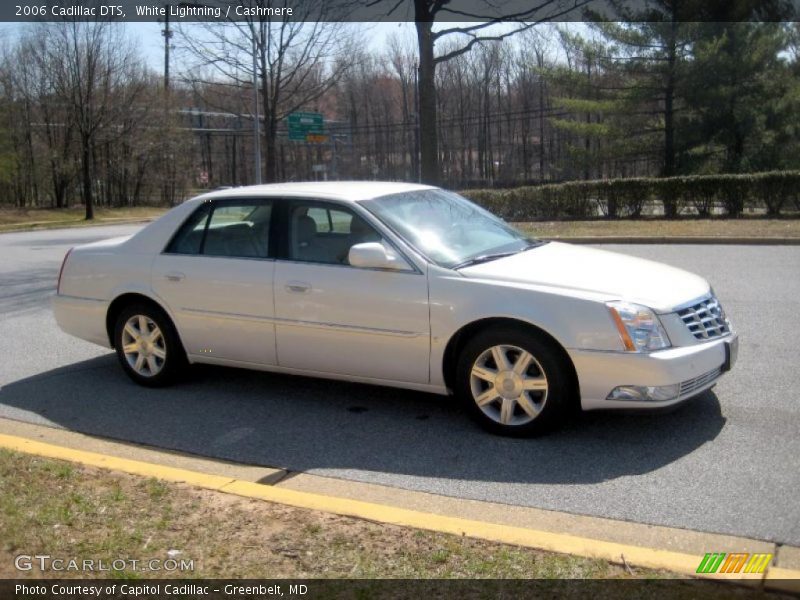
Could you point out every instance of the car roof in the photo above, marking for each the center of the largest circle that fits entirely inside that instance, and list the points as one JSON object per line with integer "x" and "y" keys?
{"x": 350, "y": 191}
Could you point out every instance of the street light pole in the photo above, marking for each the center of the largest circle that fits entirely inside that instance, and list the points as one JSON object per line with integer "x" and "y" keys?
{"x": 256, "y": 118}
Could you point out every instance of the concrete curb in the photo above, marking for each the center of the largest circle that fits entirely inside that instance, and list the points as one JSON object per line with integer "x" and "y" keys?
{"x": 704, "y": 240}
{"x": 56, "y": 225}
{"x": 654, "y": 558}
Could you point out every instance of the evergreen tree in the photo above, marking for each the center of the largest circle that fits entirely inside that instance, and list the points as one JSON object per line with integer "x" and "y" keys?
{"x": 742, "y": 99}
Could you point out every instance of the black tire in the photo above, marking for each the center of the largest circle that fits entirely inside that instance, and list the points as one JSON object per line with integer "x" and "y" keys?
{"x": 174, "y": 362}
{"x": 552, "y": 404}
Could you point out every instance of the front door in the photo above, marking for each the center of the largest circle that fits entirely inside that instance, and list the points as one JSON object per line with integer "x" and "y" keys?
{"x": 335, "y": 318}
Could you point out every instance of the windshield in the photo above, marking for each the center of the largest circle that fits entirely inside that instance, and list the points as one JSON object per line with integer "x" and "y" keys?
{"x": 448, "y": 229}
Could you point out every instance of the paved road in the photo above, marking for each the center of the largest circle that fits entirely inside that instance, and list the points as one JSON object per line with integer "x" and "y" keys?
{"x": 728, "y": 463}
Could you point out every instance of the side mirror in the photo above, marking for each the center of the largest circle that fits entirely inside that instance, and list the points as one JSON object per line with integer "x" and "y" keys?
{"x": 373, "y": 255}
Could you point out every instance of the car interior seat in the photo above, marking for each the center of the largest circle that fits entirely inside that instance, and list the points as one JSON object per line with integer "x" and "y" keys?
{"x": 240, "y": 240}
{"x": 305, "y": 247}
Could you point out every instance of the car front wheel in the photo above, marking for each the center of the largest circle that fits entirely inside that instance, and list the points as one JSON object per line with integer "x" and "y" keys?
{"x": 147, "y": 346}
{"x": 512, "y": 383}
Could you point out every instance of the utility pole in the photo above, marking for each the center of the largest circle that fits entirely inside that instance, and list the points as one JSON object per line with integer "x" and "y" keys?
{"x": 168, "y": 186}
{"x": 256, "y": 118}
{"x": 167, "y": 33}
{"x": 415, "y": 164}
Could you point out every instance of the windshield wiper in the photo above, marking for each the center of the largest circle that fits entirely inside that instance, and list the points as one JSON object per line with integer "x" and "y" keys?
{"x": 494, "y": 256}
{"x": 484, "y": 258}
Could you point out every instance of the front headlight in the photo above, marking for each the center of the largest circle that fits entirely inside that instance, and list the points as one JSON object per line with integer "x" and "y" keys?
{"x": 639, "y": 328}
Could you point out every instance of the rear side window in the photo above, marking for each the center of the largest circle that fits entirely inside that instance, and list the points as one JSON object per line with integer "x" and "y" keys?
{"x": 238, "y": 230}
{"x": 232, "y": 229}
{"x": 189, "y": 238}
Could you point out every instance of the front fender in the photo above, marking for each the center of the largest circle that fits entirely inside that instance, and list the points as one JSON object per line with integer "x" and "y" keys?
{"x": 574, "y": 321}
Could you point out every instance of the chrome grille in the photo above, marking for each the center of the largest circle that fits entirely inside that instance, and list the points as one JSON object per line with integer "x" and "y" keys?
{"x": 691, "y": 385}
{"x": 706, "y": 319}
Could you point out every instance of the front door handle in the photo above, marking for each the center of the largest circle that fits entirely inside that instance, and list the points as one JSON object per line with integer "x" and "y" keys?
{"x": 174, "y": 276}
{"x": 297, "y": 287}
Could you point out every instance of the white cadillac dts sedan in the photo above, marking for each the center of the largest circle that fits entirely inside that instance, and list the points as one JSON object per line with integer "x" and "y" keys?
{"x": 402, "y": 285}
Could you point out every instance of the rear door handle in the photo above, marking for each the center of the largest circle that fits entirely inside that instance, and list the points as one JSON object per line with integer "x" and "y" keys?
{"x": 174, "y": 276}
{"x": 297, "y": 287}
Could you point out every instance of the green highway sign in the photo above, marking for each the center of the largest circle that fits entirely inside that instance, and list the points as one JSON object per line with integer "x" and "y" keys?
{"x": 303, "y": 124}
{"x": 305, "y": 119}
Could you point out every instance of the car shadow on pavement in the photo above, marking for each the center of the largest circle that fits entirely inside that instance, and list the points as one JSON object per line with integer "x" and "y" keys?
{"x": 341, "y": 429}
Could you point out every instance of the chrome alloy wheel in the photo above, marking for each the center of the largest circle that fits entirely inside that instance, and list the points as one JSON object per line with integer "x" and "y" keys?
{"x": 143, "y": 345}
{"x": 509, "y": 385}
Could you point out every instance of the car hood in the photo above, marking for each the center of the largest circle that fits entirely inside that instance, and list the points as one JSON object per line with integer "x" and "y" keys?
{"x": 584, "y": 269}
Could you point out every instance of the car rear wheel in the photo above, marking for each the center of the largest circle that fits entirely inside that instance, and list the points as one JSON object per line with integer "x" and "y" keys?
{"x": 512, "y": 383}
{"x": 147, "y": 346}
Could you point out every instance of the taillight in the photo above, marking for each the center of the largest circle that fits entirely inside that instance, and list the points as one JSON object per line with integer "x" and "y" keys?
{"x": 61, "y": 270}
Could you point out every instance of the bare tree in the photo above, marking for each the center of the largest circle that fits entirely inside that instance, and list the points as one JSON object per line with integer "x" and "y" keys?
{"x": 297, "y": 60}
{"x": 403, "y": 61}
{"x": 531, "y": 81}
{"x": 99, "y": 78}
{"x": 44, "y": 112}
{"x": 70, "y": 88}
{"x": 522, "y": 17}
{"x": 19, "y": 102}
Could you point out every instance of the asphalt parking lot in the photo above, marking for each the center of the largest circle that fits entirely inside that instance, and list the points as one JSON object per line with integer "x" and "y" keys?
{"x": 729, "y": 462}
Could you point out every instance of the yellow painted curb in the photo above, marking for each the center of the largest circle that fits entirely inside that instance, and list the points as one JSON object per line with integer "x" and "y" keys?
{"x": 684, "y": 564}
{"x": 135, "y": 467}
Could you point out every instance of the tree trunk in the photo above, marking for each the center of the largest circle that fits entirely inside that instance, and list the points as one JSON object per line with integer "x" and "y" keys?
{"x": 407, "y": 137}
{"x": 428, "y": 137}
{"x": 669, "y": 99}
{"x": 87, "y": 180}
{"x": 541, "y": 131}
{"x": 271, "y": 148}
{"x": 59, "y": 189}
{"x": 588, "y": 141}
{"x": 670, "y": 205}
{"x": 415, "y": 163}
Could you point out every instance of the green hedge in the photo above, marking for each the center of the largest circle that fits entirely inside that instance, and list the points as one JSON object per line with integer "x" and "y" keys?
{"x": 615, "y": 198}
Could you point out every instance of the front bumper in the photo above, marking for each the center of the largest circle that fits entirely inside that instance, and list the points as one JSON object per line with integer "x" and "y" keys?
{"x": 696, "y": 368}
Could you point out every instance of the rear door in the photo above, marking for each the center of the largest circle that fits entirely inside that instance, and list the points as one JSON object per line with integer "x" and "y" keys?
{"x": 216, "y": 277}
{"x": 332, "y": 317}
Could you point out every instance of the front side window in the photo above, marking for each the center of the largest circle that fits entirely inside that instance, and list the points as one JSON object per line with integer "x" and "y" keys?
{"x": 450, "y": 230}
{"x": 229, "y": 229}
{"x": 325, "y": 233}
